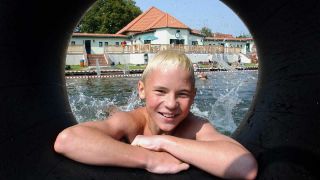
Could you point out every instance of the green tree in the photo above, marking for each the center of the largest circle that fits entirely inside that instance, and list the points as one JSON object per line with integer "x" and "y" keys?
{"x": 108, "y": 16}
{"x": 244, "y": 36}
{"x": 206, "y": 31}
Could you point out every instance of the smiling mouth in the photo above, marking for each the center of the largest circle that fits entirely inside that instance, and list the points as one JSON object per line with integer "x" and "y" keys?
{"x": 168, "y": 115}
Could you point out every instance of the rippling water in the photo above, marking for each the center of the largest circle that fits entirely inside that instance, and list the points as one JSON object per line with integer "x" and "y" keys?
{"x": 223, "y": 98}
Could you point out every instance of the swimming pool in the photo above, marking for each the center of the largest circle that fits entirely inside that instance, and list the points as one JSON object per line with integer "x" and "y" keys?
{"x": 223, "y": 98}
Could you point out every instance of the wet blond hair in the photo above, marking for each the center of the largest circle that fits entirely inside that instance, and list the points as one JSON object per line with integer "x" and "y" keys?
{"x": 169, "y": 58}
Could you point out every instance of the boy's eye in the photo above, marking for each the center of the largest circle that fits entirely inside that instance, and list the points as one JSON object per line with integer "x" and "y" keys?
{"x": 159, "y": 91}
{"x": 184, "y": 95}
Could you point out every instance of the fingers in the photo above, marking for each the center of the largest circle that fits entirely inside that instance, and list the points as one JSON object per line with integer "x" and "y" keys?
{"x": 136, "y": 141}
{"x": 183, "y": 166}
{"x": 178, "y": 168}
{"x": 145, "y": 142}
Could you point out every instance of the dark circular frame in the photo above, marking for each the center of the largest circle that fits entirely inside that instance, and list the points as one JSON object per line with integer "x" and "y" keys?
{"x": 281, "y": 128}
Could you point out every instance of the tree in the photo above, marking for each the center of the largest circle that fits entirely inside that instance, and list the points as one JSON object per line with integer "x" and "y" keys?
{"x": 108, "y": 16}
{"x": 206, "y": 31}
{"x": 244, "y": 36}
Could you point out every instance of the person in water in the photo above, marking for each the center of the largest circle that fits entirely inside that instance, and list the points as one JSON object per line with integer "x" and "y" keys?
{"x": 162, "y": 137}
{"x": 202, "y": 76}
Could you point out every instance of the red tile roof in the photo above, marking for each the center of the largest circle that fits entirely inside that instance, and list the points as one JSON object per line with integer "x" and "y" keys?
{"x": 221, "y": 35}
{"x": 227, "y": 39}
{"x": 97, "y": 35}
{"x": 196, "y": 32}
{"x": 153, "y": 18}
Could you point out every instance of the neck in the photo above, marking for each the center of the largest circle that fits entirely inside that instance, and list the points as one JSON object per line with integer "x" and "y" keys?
{"x": 151, "y": 128}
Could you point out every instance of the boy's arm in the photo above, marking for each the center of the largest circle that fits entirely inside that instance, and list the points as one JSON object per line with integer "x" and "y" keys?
{"x": 211, "y": 151}
{"x": 98, "y": 143}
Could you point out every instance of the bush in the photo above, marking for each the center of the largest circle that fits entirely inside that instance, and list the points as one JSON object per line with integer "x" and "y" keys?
{"x": 67, "y": 67}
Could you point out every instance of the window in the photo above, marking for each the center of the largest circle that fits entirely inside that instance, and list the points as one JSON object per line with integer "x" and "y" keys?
{"x": 100, "y": 44}
{"x": 117, "y": 43}
{"x": 194, "y": 43}
{"x": 106, "y": 43}
{"x": 147, "y": 42}
{"x": 176, "y": 41}
{"x": 73, "y": 43}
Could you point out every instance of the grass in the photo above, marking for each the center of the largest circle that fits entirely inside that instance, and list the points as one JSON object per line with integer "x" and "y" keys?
{"x": 74, "y": 67}
{"x": 247, "y": 65}
{"x": 119, "y": 66}
{"x": 250, "y": 65}
{"x": 133, "y": 67}
{"x": 130, "y": 66}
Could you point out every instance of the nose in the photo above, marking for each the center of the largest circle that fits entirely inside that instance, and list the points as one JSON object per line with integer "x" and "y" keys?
{"x": 171, "y": 102}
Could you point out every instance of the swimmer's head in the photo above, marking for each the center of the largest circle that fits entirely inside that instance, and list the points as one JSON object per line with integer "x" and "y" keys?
{"x": 168, "y": 59}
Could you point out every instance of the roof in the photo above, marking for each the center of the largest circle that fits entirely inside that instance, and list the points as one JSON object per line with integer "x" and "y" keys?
{"x": 227, "y": 39}
{"x": 221, "y": 35}
{"x": 153, "y": 18}
{"x": 97, "y": 35}
{"x": 196, "y": 32}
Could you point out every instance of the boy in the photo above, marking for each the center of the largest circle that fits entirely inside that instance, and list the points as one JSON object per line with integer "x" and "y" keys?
{"x": 162, "y": 137}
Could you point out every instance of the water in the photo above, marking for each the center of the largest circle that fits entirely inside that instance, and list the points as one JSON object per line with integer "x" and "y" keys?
{"x": 219, "y": 58}
{"x": 224, "y": 98}
{"x": 98, "y": 67}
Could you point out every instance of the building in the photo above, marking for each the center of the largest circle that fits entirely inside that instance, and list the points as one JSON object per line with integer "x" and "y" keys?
{"x": 150, "y": 32}
{"x": 157, "y": 27}
{"x": 246, "y": 45}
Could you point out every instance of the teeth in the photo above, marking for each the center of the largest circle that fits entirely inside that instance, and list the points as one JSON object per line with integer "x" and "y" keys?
{"x": 168, "y": 115}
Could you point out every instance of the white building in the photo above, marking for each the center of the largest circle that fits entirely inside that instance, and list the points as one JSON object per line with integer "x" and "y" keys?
{"x": 149, "y": 32}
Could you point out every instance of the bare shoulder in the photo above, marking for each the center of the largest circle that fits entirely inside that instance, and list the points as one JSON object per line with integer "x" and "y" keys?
{"x": 120, "y": 124}
{"x": 129, "y": 123}
{"x": 192, "y": 126}
{"x": 199, "y": 128}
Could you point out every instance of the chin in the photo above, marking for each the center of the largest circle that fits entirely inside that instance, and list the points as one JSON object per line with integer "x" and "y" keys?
{"x": 167, "y": 128}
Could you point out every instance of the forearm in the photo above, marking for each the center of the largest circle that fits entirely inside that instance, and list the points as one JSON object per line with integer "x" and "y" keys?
{"x": 91, "y": 146}
{"x": 221, "y": 158}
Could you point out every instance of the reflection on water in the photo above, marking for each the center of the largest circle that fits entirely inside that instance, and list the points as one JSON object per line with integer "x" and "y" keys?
{"x": 223, "y": 98}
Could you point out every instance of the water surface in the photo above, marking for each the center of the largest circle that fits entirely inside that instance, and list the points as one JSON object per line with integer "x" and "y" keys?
{"x": 224, "y": 98}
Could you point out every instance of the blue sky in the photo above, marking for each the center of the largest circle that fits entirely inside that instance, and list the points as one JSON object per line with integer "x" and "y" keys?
{"x": 199, "y": 13}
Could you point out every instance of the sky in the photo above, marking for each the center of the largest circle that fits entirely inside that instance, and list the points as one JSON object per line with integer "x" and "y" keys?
{"x": 200, "y": 13}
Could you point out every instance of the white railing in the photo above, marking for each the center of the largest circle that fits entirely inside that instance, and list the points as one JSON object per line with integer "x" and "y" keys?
{"x": 75, "y": 49}
{"x": 154, "y": 48}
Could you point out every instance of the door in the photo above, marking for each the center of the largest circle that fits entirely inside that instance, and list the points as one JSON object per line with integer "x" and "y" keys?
{"x": 87, "y": 45}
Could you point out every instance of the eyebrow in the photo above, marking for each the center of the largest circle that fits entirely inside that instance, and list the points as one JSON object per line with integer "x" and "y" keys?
{"x": 180, "y": 90}
{"x": 159, "y": 87}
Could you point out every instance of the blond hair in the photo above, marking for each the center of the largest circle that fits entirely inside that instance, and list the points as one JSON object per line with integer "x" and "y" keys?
{"x": 169, "y": 58}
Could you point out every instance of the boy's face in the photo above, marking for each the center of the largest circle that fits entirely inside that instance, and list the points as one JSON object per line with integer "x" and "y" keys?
{"x": 169, "y": 94}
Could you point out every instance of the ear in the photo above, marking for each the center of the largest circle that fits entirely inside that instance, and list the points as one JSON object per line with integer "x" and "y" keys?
{"x": 141, "y": 90}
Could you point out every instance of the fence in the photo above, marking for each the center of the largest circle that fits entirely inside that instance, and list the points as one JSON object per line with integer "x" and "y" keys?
{"x": 154, "y": 48}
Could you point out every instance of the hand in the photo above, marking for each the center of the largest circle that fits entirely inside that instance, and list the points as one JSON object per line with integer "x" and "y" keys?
{"x": 159, "y": 162}
{"x": 165, "y": 163}
{"x": 149, "y": 142}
